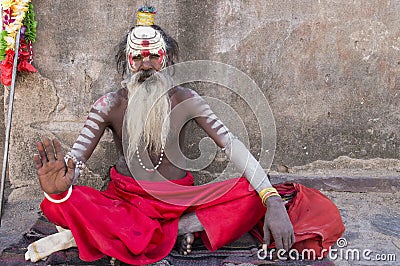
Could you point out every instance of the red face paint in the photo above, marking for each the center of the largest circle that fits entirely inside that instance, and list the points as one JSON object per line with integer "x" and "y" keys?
{"x": 145, "y": 53}
{"x": 130, "y": 59}
{"x": 161, "y": 53}
{"x": 145, "y": 43}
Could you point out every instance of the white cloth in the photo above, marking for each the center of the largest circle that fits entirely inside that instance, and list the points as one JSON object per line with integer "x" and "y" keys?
{"x": 43, "y": 247}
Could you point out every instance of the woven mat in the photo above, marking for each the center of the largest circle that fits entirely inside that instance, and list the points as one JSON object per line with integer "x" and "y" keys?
{"x": 242, "y": 252}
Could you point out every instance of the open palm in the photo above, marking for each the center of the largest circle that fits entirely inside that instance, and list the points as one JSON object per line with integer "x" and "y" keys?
{"x": 54, "y": 176}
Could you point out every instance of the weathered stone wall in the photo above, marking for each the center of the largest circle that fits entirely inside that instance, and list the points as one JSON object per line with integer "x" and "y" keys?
{"x": 330, "y": 70}
{"x": 2, "y": 126}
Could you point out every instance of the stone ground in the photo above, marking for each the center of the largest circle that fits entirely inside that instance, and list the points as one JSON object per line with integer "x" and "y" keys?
{"x": 371, "y": 217}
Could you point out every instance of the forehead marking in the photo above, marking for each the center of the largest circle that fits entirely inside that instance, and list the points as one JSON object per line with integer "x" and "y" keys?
{"x": 145, "y": 53}
{"x": 145, "y": 43}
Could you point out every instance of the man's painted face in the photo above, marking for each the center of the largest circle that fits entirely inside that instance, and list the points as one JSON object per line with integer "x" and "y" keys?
{"x": 146, "y": 49}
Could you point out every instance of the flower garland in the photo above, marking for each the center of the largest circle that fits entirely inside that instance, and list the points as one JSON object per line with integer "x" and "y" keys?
{"x": 17, "y": 14}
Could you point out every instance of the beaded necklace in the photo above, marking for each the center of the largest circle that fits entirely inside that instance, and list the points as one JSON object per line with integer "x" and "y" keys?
{"x": 155, "y": 167}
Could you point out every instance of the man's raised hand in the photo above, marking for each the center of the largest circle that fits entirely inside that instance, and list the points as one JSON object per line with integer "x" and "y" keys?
{"x": 54, "y": 176}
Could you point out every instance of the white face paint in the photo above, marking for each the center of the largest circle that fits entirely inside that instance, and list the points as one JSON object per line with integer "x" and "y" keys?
{"x": 144, "y": 41}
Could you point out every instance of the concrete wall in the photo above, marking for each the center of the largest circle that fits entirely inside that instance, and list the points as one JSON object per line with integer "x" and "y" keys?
{"x": 330, "y": 70}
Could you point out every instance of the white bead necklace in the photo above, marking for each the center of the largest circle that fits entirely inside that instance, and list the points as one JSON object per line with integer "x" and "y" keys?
{"x": 155, "y": 167}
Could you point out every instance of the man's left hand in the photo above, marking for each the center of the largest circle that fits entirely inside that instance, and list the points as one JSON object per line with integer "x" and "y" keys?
{"x": 277, "y": 224}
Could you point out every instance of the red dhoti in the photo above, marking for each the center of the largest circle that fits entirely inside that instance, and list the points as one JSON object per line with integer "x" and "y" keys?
{"x": 140, "y": 226}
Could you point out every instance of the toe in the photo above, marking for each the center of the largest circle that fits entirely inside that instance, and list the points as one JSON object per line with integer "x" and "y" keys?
{"x": 189, "y": 238}
{"x": 184, "y": 243}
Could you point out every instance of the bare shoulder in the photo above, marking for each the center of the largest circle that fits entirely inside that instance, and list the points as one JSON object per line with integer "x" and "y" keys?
{"x": 180, "y": 94}
{"x": 110, "y": 101}
{"x": 189, "y": 101}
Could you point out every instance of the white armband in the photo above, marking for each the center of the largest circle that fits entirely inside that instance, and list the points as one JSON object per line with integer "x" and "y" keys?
{"x": 245, "y": 162}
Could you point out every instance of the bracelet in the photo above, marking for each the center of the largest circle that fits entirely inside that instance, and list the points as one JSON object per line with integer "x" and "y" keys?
{"x": 60, "y": 200}
{"x": 265, "y": 190}
{"x": 266, "y": 193}
{"x": 79, "y": 165}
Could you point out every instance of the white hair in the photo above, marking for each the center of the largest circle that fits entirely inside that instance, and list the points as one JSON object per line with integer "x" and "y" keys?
{"x": 146, "y": 120}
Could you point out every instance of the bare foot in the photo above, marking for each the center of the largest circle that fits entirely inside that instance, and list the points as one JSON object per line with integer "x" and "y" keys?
{"x": 188, "y": 224}
{"x": 184, "y": 243}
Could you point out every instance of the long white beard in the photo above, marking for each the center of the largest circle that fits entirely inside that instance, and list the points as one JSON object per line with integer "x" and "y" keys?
{"x": 146, "y": 121}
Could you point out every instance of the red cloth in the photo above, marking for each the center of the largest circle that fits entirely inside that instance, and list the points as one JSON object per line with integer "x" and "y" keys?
{"x": 126, "y": 222}
{"x": 316, "y": 220}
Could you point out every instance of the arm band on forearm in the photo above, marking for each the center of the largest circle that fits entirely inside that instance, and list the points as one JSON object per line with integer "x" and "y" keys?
{"x": 245, "y": 162}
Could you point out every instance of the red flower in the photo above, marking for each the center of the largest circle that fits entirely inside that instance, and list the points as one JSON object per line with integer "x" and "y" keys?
{"x": 6, "y": 68}
{"x": 24, "y": 58}
{"x": 8, "y": 17}
{"x": 25, "y": 66}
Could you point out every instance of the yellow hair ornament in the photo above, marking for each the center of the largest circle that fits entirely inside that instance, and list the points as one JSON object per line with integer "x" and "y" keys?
{"x": 145, "y": 16}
